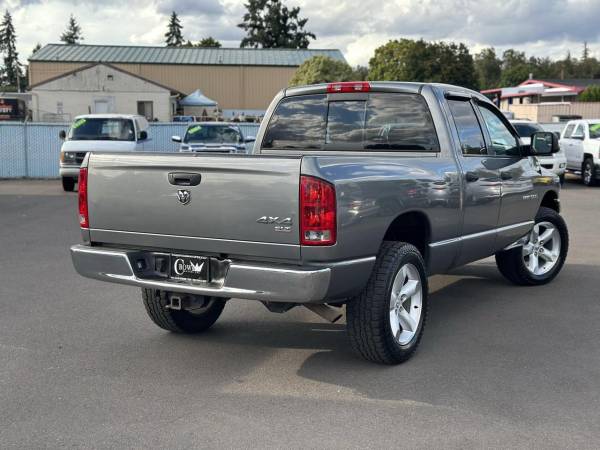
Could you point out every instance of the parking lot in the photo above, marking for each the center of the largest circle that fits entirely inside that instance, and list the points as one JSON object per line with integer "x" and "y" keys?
{"x": 83, "y": 366}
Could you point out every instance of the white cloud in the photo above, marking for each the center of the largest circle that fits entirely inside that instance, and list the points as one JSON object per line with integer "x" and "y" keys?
{"x": 540, "y": 27}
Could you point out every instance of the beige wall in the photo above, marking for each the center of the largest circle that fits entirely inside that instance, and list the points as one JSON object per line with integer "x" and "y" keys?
{"x": 233, "y": 87}
{"x": 79, "y": 93}
{"x": 543, "y": 112}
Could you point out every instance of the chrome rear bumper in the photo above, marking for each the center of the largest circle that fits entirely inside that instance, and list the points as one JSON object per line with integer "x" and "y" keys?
{"x": 254, "y": 281}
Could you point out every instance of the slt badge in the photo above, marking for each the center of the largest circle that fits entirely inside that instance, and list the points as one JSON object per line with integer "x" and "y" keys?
{"x": 184, "y": 196}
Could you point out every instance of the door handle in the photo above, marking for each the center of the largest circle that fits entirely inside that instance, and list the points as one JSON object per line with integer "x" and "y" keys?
{"x": 184, "y": 179}
{"x": 471, "y": 177}
{"x": 505, "y": 175}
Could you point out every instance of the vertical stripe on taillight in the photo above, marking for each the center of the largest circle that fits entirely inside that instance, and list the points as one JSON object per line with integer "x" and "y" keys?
{"x": 84, "y": 219}
{"x": 317, "y": 212}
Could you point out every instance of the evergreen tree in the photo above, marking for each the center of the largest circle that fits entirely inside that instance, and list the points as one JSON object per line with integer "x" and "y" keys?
{"x": 270, "y": 24}
{"x": 37, "y": 47}
{"x": 11, "y": 71}
{"x": 174, "y": 35}
{"x": 72, "y": 34}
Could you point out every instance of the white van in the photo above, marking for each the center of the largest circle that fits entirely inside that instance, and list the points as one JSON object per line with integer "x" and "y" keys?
{"x": 99, "y": 132}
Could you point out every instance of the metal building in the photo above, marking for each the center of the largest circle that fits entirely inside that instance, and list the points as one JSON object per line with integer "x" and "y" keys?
{"x": 238, "y": 79}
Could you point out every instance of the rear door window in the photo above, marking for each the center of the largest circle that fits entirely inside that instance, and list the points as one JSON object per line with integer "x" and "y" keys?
{"x": 381, "y": 122}
{"x": 399, "y": 122}
{"x": 467, "y": 125}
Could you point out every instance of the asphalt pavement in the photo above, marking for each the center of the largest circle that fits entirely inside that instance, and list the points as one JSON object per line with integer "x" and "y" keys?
{"x": 82, "y": 366}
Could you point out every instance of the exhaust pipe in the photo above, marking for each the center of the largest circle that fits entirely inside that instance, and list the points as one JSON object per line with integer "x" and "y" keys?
{"x": 326, "y": 312}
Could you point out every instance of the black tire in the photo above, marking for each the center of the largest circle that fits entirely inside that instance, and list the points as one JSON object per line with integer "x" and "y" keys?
{"x": 68, "y": 184}
{"x": 368, "y": 315}
{"x": 511, "y": 262}
{"x": 588, "y": 167}
{"x": 180, "y": 321}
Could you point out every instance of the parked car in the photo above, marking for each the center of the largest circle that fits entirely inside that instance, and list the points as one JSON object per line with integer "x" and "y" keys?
{"x": 99, "y": 132}
{"x": 581, "y": 142}
{"x": 556, "y": 162}
{"x": 356, "y": 193}
{"x": 214, "y": 137}
{"x": 184, "y": 119}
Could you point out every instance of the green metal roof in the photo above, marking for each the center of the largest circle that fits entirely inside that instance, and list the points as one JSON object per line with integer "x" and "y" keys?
{"x": 178, "y": 55}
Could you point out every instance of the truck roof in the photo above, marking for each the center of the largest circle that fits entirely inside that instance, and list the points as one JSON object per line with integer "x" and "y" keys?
{"x": 387, "y": 86}
{"x": 109, "y": 116}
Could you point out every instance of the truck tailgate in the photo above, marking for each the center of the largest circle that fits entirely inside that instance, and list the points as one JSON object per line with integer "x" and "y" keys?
{"x": 132, "y": 201}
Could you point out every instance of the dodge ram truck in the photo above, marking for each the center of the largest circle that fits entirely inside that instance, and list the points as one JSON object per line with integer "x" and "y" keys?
{"x": 355, "y": 193}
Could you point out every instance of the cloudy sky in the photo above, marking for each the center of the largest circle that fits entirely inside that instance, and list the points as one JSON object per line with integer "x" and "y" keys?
{"x": 540, "y": 27}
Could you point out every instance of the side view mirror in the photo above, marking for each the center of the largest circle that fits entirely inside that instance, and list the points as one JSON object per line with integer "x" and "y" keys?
{"x": 544, "y": 143}
{"x": 62, "y": 135}
{"x": 250, "y": 139}
{"x": 143, "y": 135}
{"x": 176, "y": 138}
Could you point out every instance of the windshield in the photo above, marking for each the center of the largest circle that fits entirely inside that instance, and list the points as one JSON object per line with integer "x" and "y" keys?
{"x": 92, "y": 129}
{"x": 594, "y": 130}
{"x": 525, "y": 130}
{"x": 211, "y": 134}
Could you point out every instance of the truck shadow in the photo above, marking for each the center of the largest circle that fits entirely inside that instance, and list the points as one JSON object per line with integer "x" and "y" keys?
{"x": 482, "y": 331}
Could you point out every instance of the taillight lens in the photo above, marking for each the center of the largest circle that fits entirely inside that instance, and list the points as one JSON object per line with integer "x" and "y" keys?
{"x": 317, "y": 212}
{"x": 349, "y": 86}
{"x": 84, "y": 219}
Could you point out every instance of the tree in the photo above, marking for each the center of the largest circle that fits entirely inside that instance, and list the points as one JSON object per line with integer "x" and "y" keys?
{"x": 206, "y": 42}
{"x": 360, "y": 73}
{"x": 11, "y": 72}
{"x": 321, "y": 69}
{"x": 174, "y": 36}
{"x": 591, "y": 94}
{"x": 410, "y": 60}
{"x": 270, "y": 24}
{"x": 488, "y": 68}
{"x": 37, "y": 47}
{"x": 72, "y": 34}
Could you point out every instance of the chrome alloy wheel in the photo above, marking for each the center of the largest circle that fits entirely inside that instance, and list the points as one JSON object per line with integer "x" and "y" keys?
{"x": 542, "y": 250}
{"x": 406, "y": 304}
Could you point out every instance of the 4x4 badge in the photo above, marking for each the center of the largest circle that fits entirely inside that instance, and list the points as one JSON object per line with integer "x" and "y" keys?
{"x": 184, "y": 196}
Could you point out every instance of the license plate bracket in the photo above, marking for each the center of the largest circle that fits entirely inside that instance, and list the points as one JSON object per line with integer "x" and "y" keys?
{"x": 189, "y": 268}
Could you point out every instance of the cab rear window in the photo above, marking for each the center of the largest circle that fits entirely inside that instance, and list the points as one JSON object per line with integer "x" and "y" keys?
{"x": 381, "y": 122}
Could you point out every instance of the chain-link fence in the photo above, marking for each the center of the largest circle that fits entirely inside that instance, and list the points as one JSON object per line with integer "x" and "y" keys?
{"x": 32, "y": 149}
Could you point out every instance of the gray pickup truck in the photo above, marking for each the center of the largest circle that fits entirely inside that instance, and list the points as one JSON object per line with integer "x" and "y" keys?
{"x": 355, "y": 194}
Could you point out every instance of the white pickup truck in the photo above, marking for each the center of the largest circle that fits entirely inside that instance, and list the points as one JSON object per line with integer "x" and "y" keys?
{"x": 581, "y": 142}
{"x": 99, "y": 132}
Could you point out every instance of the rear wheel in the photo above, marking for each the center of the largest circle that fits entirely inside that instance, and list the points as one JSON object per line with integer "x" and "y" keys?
{"x": 588, "y": 172}
{"x": 68, "y": 184}
{"x": 385, "y": 322}
{"x": 543, "y": 254}
{"x": 201, "y": 317}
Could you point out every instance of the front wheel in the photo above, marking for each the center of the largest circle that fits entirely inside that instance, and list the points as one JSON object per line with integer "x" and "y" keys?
{"x": 542, "y": 256}
{"x": 588, "y": 172}
{"x": 385, "y": 322}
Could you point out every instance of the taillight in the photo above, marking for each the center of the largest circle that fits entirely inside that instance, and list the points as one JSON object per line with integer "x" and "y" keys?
{"x": 317, "y": 212}
{"x": 84, "y": 220}
{"x": 349, "y": 86}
